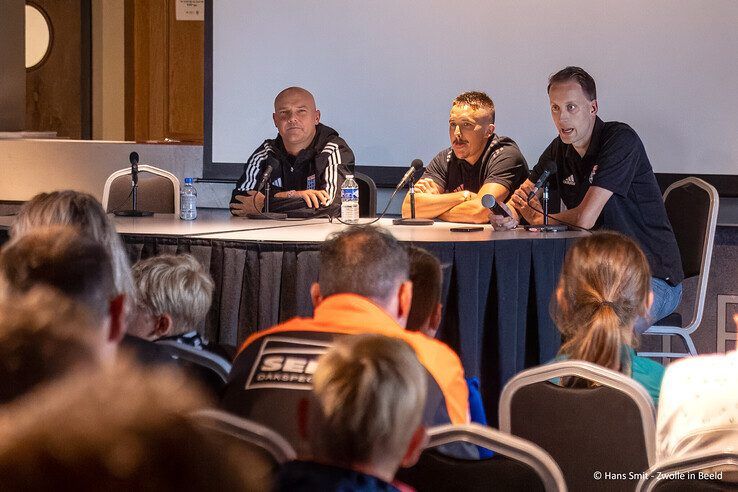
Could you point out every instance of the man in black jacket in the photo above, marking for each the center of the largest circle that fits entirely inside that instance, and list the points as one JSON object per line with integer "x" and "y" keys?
{"x": 309, "y": 160}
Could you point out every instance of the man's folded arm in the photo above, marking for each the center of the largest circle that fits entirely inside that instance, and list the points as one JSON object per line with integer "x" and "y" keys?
{"x": 473, "y": 211}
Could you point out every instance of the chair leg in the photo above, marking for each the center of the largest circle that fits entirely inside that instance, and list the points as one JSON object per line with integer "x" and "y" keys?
{"x": 690, "y": 344}
{"x": 665, "y": 348}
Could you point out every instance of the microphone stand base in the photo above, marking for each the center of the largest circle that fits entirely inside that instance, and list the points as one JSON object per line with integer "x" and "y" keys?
{"x": 547, "y": 228}
{"x": 267, "y": 216}
{"x": 133, "y": 213}
{"x": 413, "y": 222}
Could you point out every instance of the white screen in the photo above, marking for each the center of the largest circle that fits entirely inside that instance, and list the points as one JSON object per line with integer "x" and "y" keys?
{"x": 384, "y": 72}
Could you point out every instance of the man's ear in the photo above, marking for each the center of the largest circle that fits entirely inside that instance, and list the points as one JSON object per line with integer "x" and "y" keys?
{"x": 274, "y": 119}
{"x": 593, "y": 107}
{"x": 404, "y": 299}
{"x": 490, "y": 130}
{"x": 164, "y": 324}
{"x": 315, "y": 294}
{"x": 415, "y": 447}
{"x": 317, "y": 116}
{"x": 435, "y": 317}
{"x": 117, "y": 317}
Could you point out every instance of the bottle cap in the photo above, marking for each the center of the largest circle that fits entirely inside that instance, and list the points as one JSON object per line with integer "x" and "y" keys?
{"x": 188, "y": 180}
{"x": 349, "y": 176}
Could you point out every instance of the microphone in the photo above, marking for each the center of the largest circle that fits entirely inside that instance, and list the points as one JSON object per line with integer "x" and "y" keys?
{"x": 488, "y": 201}
{"x": 549, "y": 169}
{"x": 416, "y": 164}
{"x": 133, "y": 159}
{"x": 265, "y": 177}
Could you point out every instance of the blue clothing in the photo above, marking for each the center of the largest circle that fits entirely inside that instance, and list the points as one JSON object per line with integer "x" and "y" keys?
{"x": 665, "y": 300}
{"x": 476, "y": 412}
{"x": 648, "y": 373}
{"x": 311, "y": 476}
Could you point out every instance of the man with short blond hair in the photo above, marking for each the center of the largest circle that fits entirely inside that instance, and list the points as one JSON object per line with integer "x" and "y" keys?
{"x": 479, "y": 162}
{"x": 309, "y": 160}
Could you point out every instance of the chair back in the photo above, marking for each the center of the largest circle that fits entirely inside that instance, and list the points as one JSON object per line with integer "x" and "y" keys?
{"x": 518, "y": 464}
{"x": 158, "y": 191}
{"x": 211, "y": 369}
{"x": 682, "y": 474}
{"x": 608, "y": 426}
{"x": 367, "y": 195}
{"x": 692, "y": 206}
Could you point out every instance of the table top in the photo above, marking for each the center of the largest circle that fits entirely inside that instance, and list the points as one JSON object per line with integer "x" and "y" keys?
{"x": 220, "y": 224}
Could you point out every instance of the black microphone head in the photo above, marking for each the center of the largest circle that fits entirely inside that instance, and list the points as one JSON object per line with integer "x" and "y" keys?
{"x": 417, "y": 164}
{"x": 268, "y": 170}
{"x": 550, "y": 166}
{"x": 488, "y": 201}
{"x": 133, "y": 158}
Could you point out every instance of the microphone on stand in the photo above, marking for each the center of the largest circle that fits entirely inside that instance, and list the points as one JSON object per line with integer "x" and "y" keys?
{"x": 549, "y": 169}
{"x": 265, "y": 184}
{"x": 134, "y": 212}
{"x": 408, "y": 178}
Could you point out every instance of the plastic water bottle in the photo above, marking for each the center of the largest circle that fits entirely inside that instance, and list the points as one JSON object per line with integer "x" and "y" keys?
{"x": 188, "y": 201}
{"x": 350, "y": 201}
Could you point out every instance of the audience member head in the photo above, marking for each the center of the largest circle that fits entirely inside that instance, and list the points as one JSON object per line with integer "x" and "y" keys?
{"x": 367, "y": 261}
{"x": 471, "y": 123}
{"x": 84, "y": 212}
{"x": 426, "y": 276}
{"x": 43, "y": 336}
{"x": 79, "y": 267}
{"x": 120, "y": 428}
{"x": 295, "y": 117}
{"x": 173, "y": 296}
{"x": 371, "y": 392}
{"x": 604, "y": 287}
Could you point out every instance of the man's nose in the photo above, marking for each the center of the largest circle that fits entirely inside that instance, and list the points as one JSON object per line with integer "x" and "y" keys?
{"x": 457, "y": 130}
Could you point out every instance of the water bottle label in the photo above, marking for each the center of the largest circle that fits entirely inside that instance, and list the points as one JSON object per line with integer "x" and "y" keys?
{"x": 311, "y": 182}
{"x": 350, "y": 194}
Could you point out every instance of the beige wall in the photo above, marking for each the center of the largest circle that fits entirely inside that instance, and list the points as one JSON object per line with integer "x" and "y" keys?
{"x": 29, "y": 167}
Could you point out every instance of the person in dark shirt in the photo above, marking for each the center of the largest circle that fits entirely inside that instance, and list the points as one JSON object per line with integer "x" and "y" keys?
{"x": 309, "y": 160}
{"x": 479, "y": 162}
{"x": 605, "y": 180}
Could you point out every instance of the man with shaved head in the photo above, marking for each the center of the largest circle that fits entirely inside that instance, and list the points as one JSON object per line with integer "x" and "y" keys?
{"x": 309, "y": 160}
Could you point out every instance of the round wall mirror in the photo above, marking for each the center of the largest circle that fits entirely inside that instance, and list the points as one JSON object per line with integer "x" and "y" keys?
{"x": 38, "y": 36}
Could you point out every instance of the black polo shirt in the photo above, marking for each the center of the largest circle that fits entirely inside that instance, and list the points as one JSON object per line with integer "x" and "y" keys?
{"x": 501, "y": 162}
{"x": 616, "y": 161}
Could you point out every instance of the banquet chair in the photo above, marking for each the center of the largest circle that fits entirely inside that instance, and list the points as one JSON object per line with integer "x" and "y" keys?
{"x": 158, "y": 191}
{"x": 692, "y": 206}
{"x": 609, "y": 425}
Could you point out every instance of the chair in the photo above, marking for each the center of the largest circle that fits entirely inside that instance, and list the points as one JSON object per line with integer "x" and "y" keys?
{"x": 246, "y": 432}
{"x": 211, "y": 369}
{"x": 367, "y": 195}
{"x": 524, "y": 466}
{"x": 158, "y": 190}
{"x": 683, "y": 474}
{"x": 609, "y": 427}
{"x": 692, "y": 206}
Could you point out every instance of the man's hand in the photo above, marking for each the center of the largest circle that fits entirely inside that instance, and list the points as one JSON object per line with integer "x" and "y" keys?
{"x": 519, "y": 201}
{"x": 427, "y": 185}
{"x": 313, "y": 198}
{"x": 503, "y": 222}
{"x": 246, "y": 205}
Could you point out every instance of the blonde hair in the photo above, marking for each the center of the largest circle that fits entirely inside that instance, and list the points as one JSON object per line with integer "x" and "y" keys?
{"x": 371, "y": 390}
{"x": 177, "y": 285}
{"x": 83, "y": 211}
{"x": 602, "y": 291}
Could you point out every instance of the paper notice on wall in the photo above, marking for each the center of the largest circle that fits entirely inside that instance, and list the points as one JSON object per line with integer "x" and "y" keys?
{"x": 190, "y": 10}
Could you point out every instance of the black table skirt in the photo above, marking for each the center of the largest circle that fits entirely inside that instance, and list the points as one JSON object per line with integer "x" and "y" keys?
{"x": 495, "y": 295}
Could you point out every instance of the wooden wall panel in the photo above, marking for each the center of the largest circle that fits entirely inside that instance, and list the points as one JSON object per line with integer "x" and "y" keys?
{"x": 58, "y": 94}
{"x": 165, "y": 68}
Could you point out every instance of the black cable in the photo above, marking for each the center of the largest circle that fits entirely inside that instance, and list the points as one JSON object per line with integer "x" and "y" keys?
{"x": 573, "y": 226}
{"x": 124, "y": 202}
